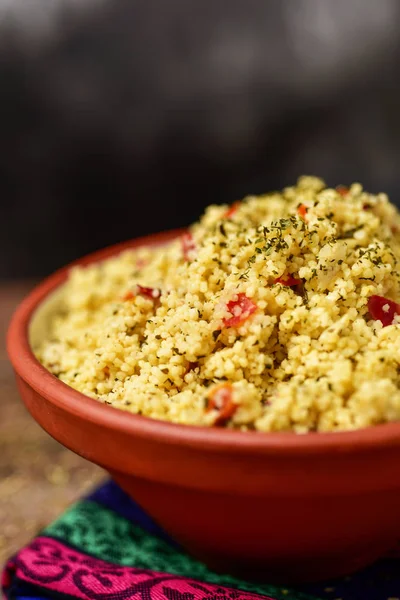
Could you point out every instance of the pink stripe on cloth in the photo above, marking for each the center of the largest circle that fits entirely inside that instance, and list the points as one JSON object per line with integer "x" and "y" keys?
{"x": 48, "y": 564}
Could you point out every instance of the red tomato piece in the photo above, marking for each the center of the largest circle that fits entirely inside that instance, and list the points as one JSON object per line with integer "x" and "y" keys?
{"x": 240, "y": 309}
{"x": 188, "y": 246}
{"x": 147, "y": 292}
{"x": 383, "y": 310}
{"x": 342, "y": 190}
{"x": 220, "y": 399}
{"x": 128, "y": 296}
{"x": 288, "y": 280}
{"x": 302, "y": 210}
{"x": 231, "y": 210}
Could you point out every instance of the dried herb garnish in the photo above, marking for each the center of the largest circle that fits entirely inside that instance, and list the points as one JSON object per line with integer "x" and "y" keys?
{"x": 215, "y": 334}
{"x": 350, "y": 233}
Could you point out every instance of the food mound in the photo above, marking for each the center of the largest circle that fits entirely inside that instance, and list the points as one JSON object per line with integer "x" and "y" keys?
{"x": 277, "y": 313}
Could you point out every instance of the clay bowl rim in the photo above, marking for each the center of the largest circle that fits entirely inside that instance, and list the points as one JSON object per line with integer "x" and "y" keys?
{"x": 223, "y": 440}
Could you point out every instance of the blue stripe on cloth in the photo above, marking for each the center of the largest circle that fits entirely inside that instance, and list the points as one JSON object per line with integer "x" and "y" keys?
{"x": 111, "y": 496}
{"x": 380, "y": 581}
{"x": 20, "y": 590}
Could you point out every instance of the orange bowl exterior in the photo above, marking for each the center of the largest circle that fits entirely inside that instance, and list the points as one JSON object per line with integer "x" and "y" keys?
{"x": 282, "y": 506}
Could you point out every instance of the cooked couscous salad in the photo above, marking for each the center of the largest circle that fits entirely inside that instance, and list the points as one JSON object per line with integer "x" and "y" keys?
{"x": 276, "y": 313}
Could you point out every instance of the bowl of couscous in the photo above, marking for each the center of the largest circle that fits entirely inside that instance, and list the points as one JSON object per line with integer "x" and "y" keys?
{"x": 240, "y": 379}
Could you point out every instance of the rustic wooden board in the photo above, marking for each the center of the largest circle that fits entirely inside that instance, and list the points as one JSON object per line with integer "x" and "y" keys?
{"x": 39, "y": 478}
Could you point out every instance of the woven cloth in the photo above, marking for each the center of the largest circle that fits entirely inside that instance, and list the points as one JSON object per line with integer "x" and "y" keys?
{"x": 105, "y": 547}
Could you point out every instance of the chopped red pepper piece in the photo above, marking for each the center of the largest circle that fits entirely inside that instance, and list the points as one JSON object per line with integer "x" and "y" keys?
{"x": 220, "y": 399}
{"x": 128, "y": 296}
{"x": 342, "y": 190}
{"x": 231, "y": 210}
{"x": 240, "y": 309}
{"x": 288, "y": 280}
{"x": 383, "y": 310}
{"x": 302, "y": 210}
{"x": 188, "y": 246}
{"x": 147, "y": 292}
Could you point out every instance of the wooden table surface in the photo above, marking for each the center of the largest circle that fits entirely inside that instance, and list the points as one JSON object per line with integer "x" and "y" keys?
{"x": 38, "y": 477}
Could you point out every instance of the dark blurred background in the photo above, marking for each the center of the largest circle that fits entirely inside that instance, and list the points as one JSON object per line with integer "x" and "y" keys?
{"x": 123, "y": 117}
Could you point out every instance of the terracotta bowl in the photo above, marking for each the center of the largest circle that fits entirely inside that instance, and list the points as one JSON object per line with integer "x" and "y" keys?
{"x": 289, "y": 507}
